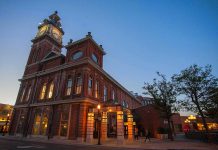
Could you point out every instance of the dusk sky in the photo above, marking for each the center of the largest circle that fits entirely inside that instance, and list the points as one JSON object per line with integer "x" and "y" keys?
{"x": 140, "y": 37}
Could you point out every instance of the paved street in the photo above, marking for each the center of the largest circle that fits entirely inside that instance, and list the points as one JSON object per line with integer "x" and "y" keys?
{"x": 7, "y": 144}
{"x": 180, "y": 143}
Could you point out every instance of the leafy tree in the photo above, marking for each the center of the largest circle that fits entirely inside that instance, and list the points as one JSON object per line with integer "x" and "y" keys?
{"x": 164, "y": 94}
{"x": 196, "y": 83}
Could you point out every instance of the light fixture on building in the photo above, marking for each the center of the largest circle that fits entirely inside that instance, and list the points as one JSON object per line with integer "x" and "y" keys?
{"x": 192, "y": 117}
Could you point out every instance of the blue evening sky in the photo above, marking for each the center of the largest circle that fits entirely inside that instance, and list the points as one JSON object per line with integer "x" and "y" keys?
{"x": 139, "y": 36}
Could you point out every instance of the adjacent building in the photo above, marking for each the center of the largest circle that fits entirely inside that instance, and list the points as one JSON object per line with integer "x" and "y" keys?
{"x": 5, "y": 117}
{"x": 59, "y": 93}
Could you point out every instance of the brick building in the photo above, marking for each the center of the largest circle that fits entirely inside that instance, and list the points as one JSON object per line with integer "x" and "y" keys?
{"x": 58, "y": 94}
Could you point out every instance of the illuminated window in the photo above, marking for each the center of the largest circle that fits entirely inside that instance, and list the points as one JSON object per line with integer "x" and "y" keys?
{"x": 36, "y": 125}
{"x": 20, "y": 127}
{"x": 42, "y": 94}
{"x": 51, "y": 89}
{"x": 78, "y": 84}
{"x": 96, "y": 89}
{"x": 28, "y": 94}
{"x": 64, "y": 120}
{"x": 40, "y": 123}
{"x": 69, "y": 86}
{"x": 90, "y": 86}
{"x": 105, "y": 93}
{"x": 22, "y": 95}
{"x": 44, "y": 124}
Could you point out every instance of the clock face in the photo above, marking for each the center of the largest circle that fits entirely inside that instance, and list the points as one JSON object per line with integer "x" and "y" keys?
{"x": 57, "y": 34}
{"x": 42, "y": 30}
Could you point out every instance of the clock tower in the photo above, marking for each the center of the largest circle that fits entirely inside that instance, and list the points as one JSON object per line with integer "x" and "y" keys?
{"x": 48, "y": 39}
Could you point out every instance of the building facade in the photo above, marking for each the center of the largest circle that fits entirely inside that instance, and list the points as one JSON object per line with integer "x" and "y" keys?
{"x": 5, "y": 117}
{"x": 59, "y": 93}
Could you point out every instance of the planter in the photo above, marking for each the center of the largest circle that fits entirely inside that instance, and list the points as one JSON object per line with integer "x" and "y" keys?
{"x": 162, "y": 136}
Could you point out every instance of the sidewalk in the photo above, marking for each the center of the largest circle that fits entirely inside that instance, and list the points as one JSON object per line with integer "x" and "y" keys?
{"x": 178, "y": 143}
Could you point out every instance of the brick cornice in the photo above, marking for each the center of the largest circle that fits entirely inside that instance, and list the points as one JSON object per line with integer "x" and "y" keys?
{"x": 75, "y": 100}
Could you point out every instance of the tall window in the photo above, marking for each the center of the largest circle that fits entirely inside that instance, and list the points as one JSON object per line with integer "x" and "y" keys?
{"x": 20, "y": 126}
{"x": 44, "y": 123}
{"x": 28, "y": 94}
{"x": 64, "y": 120}
{"x": 36, "y": 125}
{"x": 79, "y": 84}
{"x": 40, "y": 123}
{"x": 43, "y": 90}
{"x": 51, "y": 89}
{"x": 22, "y": 94}
{"x": 105, "y": 93}
{"x": 113, "y": 95}
{"x": 90, "y": 86}
{"x": 69, "y": 86}
{"x": 96, "y": 89}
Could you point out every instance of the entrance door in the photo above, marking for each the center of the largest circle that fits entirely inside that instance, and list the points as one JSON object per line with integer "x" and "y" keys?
{"x": 112, "y": 124}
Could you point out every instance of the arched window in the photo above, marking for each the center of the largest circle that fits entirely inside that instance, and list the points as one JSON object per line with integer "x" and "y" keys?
{"x": 90, "y": 86}
{"x": 96, "y": 89}
{"x": 77, "y": 55}
{"x": 22, "y": 94}
{"x": 79, "y": 84}
{"x": 28, "y": 93}
{"x": 69, "y": 86}
{"x": 105, "y": 93}
{"x": 51, "y": 89}
{"x": 43, "y": 90}
{"x": 95, "y": 58}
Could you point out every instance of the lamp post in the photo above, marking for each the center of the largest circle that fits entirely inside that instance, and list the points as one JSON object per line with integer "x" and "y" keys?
{"x": 6, "y": 124}
{"x": 99, "y": 124}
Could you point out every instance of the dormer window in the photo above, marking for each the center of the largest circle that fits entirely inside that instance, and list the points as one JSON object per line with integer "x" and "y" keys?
{"x": 95, "y": 58}
{"x": 77, "y": 55}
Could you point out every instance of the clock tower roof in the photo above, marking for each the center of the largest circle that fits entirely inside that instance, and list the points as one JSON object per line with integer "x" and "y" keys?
{"x": 53, "y": 19}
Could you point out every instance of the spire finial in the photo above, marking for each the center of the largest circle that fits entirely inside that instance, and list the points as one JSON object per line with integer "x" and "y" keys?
{"x": 71, "y": 41}
{"x": 89, "y": 35}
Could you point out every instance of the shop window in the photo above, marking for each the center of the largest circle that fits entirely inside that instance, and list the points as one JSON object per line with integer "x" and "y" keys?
{"x": 44, "y": 124}
{"x": 64, "y": 120}
{"x": 40, "y": 123}
{"x": 21, "y": 123}
{"x": 36, "y": 126}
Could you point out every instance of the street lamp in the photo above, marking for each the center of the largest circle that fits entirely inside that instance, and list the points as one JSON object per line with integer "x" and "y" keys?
{"x": 6, "y": 124}
{"x": 99, "y": 124}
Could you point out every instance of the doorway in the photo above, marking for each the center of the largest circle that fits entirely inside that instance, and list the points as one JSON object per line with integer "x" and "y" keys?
{"x": 112, "y": 124}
